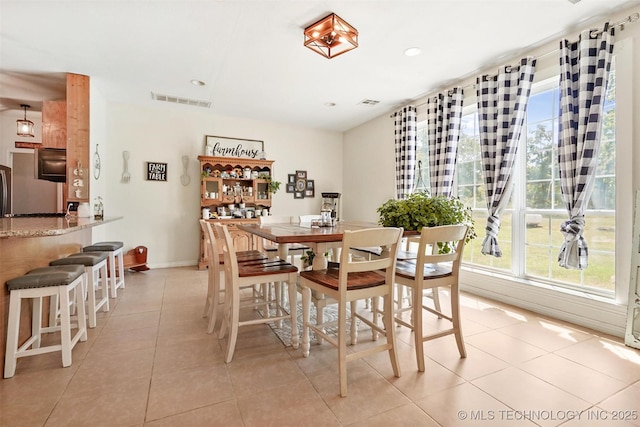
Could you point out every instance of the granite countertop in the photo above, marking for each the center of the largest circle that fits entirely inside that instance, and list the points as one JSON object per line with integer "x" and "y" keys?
{"x": 49, "y": 226}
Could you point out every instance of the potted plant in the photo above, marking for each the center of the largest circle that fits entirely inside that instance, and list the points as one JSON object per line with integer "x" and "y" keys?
{"x": 422, "y": 210}
{"x": 309, "y": 259}
{"x": 273, "y": 186}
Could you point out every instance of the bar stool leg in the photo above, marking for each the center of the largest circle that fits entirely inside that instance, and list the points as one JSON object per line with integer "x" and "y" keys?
{"x": 13, "y": 329}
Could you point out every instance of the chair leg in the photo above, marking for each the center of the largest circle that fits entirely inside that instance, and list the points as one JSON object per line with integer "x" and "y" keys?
{"x": 455, "y": 315}
{"x": 435, "y": 294}
{"x": 65, "y": 326}
{"x": 306, "y": 307}
{"x": 388, "y": 322}
{"x": 353, "y": 329}
{"x": 416, "y": 320}
{"x": 213, "y": 300}
{"x": 234, "y": 318}
{"x": 293, "y": 311}
{"x": 36, "y": 322}
{"x": 225, "y": 312}
{"x": 13, "y": 329}
{"x": 342, "y": 346}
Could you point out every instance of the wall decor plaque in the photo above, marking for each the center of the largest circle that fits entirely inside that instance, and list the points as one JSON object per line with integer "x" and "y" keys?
{"x": 221, "y": 146}
{"x": 156, "y": 171}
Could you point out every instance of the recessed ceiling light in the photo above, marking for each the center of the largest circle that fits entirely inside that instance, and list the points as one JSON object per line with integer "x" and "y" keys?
{"x": 197, "y": 82}
{"x": 412, "y": 51}
{"x": 329, "y": 104}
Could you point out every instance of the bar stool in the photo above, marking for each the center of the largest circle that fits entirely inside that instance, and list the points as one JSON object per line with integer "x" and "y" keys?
{"x": 115, "y": 251}
{"x": 95, "y": 265}
{"x": 60, "y": 282}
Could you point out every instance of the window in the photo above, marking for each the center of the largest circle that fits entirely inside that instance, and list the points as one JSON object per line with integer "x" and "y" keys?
{"x": 530, "y": 236}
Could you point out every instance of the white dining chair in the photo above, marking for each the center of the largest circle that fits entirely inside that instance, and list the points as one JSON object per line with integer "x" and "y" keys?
{"x": 248, "y": 274}
{"x": 434, "y": 269}
{"x": 215, "y": 266}
{"x": 353, "y": 281}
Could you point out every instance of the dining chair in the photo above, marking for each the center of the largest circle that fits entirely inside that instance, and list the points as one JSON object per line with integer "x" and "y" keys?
{"x": 352, "y": 281}
{"x": 437, "y": 265}
{"x": 215, "y": 261}
{"x": 248, "y": 274}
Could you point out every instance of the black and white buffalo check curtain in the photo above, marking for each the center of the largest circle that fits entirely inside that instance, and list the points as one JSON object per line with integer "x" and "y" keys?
{"x": 584, "y": 69}
{"x": 444, "y": 114}
{"x": 406, "y": 136}
{"x": 502, "y": 104}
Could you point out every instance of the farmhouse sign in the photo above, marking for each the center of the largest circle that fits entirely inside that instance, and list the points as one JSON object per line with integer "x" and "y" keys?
{"x": 221, "y": 146}
{"x": 156, "y": 171}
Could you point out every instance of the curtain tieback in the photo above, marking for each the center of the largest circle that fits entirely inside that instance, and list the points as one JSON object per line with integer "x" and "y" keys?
{"x": 573, "y": 228}
{"x": 493, "y": 226}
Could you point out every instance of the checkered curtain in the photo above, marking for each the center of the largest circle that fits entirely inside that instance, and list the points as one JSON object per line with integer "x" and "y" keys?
{"x": 502, "y": 104}
{"x": 584, "y": 69}
{"x": 444, "y": 114}
{"x": 406, "y": 136}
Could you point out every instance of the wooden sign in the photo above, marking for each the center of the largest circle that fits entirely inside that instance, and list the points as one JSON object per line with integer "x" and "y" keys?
{"x": 156, "y": 171}
{"x": 221, "y": 146}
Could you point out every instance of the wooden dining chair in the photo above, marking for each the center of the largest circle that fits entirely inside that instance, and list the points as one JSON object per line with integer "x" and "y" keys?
{"x": 248, "y": 274}
{"x": 215, "y": 263}
{"x": 353, "y": 281}
{"x": 434, "y": 268}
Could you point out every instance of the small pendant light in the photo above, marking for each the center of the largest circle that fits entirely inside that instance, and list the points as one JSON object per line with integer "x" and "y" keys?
{"x": 25, "y": 127}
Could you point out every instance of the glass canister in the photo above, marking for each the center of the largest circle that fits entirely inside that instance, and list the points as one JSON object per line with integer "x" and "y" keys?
{"x": 98, "y": 209}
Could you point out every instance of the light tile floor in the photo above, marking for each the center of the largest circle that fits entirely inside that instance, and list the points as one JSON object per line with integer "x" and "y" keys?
{"x": 150, "y": 362}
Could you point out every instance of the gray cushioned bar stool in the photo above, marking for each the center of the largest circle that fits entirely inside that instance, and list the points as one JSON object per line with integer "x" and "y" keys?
{"x": 95, "y": 265}
{"x": 114, "y": 249}
{"x": 61, "y": 282}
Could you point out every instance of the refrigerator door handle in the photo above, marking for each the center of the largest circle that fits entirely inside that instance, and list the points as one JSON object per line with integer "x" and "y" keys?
{"x": 3, "y": 191}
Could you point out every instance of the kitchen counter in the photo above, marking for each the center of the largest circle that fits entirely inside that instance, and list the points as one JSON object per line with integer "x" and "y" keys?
{"x": 32, "y": 242}
{"x": 47, "y": 226}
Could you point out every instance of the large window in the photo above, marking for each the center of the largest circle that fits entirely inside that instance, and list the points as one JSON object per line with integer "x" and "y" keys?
{"x": 530, "y": 236}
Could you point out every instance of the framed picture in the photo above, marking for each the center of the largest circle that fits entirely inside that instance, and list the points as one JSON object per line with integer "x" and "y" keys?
{"x": 301, "y": 184}
{"x": 156, "y": 171}
{"x": 301, "y": 174}
{"x": 298, "y": 195}
{"x": 310, "y": 190}
{"x": 222, "y": 146}
{"x": 291, "y": 178}
{"x": 309, "y": 193}
{"x": 291, "y": 188}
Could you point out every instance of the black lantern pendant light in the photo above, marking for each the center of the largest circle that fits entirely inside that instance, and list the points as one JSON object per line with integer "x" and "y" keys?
{"x": 25, "y": 127}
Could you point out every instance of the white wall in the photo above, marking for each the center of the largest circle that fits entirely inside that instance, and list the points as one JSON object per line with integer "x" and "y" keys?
{"x": 163, "y": 215}
{"x": 375, "y": 138}
{"x": 369, "y": 176}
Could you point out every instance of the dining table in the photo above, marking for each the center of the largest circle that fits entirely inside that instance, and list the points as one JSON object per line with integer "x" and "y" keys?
{"x": 319, "y": 238}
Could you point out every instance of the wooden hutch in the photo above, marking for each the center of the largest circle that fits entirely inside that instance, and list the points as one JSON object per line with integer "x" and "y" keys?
{"x": 232, "y": 181}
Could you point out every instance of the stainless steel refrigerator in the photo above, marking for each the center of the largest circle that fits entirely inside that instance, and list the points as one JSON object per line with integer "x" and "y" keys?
{"x": 5, "y": 190}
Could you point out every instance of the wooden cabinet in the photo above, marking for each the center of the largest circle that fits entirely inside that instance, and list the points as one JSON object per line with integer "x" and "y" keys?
{"x": 236, "y": 190}
{"x": 54, "y": 124}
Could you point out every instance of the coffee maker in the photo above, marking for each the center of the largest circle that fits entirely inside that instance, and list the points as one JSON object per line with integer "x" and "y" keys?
{"x": 332, "y": 202}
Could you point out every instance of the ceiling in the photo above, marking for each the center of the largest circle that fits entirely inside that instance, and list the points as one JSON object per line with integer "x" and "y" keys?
{"x": 251, "y": 56}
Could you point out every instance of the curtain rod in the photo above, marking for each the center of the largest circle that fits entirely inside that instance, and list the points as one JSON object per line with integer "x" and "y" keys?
{"x": 629, "y": 19}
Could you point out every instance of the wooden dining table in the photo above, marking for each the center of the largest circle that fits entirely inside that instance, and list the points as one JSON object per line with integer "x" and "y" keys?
{"x": 320, "y": 238}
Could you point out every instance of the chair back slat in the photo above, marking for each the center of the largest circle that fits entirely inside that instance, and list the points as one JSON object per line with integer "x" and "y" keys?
{"x": 388, "y": 238}
{"x": 428, "y": 249}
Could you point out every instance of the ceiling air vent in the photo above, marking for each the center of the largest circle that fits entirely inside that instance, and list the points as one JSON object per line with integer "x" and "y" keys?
{"x": 178, "y": 100}
{"x": 369, "y": 102}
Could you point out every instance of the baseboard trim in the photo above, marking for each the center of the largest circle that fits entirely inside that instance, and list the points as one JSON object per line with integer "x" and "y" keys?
{"x": 583, "y": 310}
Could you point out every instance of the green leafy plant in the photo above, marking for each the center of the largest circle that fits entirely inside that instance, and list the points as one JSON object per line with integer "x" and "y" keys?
{"x": 274, "y": 186}
{"x": 307, "y": 258}
{"x": 422, "y": 210}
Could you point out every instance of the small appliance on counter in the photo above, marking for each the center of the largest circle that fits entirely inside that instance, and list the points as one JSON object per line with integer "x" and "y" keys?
{"x": 332, "y": 201}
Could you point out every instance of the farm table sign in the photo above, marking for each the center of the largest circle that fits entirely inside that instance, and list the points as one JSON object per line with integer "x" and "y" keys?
{"x": 221, "y": 146}
{"x": 156, "y": 171}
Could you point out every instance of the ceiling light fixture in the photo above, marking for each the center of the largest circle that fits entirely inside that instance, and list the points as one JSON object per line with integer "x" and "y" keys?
{"x": 197, "y": 82}
{"x": 412, "y": 51}
{"x": 331, "y": 36}
{"x": 25, "y": 127}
